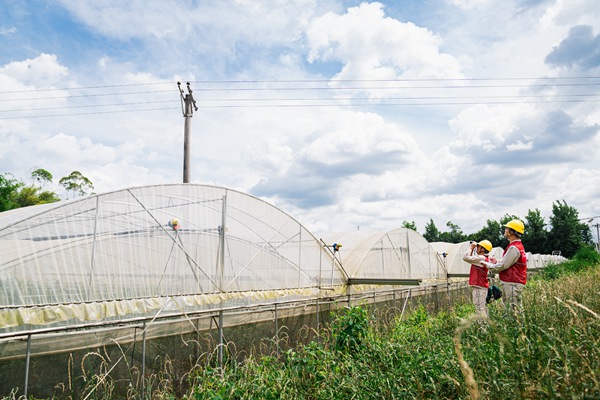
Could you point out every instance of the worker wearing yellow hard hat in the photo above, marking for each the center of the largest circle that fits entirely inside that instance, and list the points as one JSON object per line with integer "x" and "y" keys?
{"x": 478, "y": 280}
{"x": 512, "y": 269}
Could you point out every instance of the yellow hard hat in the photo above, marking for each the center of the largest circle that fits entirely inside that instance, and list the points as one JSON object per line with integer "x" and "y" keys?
{"x": 486, "y": 244}
{"x": 516, "y": 226}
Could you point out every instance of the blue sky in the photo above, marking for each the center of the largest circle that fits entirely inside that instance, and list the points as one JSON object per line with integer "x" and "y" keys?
{"x": 344, "y": 114}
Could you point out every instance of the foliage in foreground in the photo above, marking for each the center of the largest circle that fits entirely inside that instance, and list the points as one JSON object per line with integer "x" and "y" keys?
{"x": 550, "y": 350}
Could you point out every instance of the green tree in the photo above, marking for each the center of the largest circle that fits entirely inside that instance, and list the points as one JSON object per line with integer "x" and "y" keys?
{"x": 9, "y": 187}
{"x": 492, "y": 231}
{"x": 432, "y": 234}
{"x": 15, "y": 194}
{"x": 409, "y": 225}
{"x": 32, "y": 195}
{"x": 41, "y": 176}
{"x": 535, "y": 239}
{"x": 455, "y": 235}
{"x": 77, "y": 183}
{"x": 567, "y": 233}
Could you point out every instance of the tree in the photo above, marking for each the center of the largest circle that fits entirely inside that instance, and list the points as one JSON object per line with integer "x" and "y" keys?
{"x": 32, "y": 195}
{"x": 15, "y": 194}
{"x": 535, "y": 237}
{"x": 41, "y": 176}
{"x": 567, "y": 234}
{"x": 409, "y": 225}
{"x": 493, "y": 232}
{"x": 455, "y": 235}
{"x": 432, "y": 234}
{"x": 77, "y": 183}
{"x": 9, "y": 187}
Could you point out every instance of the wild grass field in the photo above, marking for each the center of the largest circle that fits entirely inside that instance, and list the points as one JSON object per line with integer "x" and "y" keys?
{"x": 549, "y": 350}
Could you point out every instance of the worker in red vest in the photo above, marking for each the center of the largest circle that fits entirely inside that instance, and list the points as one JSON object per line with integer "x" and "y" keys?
{"x": 478, "y": 280}
{"x": 512, "y": 269}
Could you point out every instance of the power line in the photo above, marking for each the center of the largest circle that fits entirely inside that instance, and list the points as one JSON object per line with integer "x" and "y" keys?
{"x": 256, "y": 81}
{"x": 85, "y": 87}
{"x": 90, "y": 113}
{"x": 389, "y": 104}
{"x": 325, "y": 99}
{"x": 86, "y": 95}
{"x": 243, "y": 89}
{"x": 85, "y": 106}
{"x": 329, "y": 100}
{"x": 365, "y": 105}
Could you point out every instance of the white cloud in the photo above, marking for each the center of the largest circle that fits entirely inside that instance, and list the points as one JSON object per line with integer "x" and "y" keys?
{"x": 224, "y": 22}
{"x": 77, "y": 150}
{"x": 469, "y": 4}
{"x": 486, "y": 128}
{"x": 568, "y": 13}
{"x": 43, "y": 71}
{"x": 519, "y": 145}
{"x": 373, "y": 46}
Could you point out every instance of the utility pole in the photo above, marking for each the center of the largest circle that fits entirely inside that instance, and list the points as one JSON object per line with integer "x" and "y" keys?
{"x": 188, "y": 105}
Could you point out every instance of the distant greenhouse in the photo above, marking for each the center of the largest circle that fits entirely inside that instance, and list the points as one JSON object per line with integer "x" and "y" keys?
{"x": 399, "y": 256}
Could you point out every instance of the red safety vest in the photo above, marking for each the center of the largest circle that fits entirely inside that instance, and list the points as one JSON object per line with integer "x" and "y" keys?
{"x": 478, "y": 275}
{"x": 517, "y": 273}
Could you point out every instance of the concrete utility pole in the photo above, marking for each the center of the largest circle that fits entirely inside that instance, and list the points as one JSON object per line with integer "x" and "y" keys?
{"x": 188, "y": 105}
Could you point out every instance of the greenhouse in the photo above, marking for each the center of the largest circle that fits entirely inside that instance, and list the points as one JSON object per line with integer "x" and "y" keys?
{"x": 132, "y": 252}
{"x": 400, "y": 256}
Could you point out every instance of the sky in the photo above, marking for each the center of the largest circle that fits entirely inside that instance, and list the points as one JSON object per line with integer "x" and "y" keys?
{"x": 344, "y": 114}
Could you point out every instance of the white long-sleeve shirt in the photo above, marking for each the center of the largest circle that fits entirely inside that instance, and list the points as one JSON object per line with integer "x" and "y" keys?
{"x": 511, "y": 257}
{"x": 473, "y": 258}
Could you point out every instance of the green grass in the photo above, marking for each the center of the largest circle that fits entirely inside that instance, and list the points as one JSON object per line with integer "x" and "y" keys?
{"x": 551, "y": 350}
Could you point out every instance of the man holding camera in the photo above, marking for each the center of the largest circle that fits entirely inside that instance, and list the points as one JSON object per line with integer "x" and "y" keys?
{"x": 475, "y": 255}
{"x": 512, "y": 269}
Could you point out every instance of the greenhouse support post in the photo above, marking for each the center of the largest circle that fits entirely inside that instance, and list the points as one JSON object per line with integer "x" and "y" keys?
{"x": 27, "y": 357}
{"x": 222, "y": 243}
{"x": 317, "y": 313}
{"x": 92, "y": 261}
{"x": 276, "y": 329}
{"x": 197, "y": 353}
{"x": 408, "y": 254}
{"x": 221, "y": 339}
{"x": 320, "y": 269}
{"x": 143, "y": 359}
{"x": 300, "y": 255}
